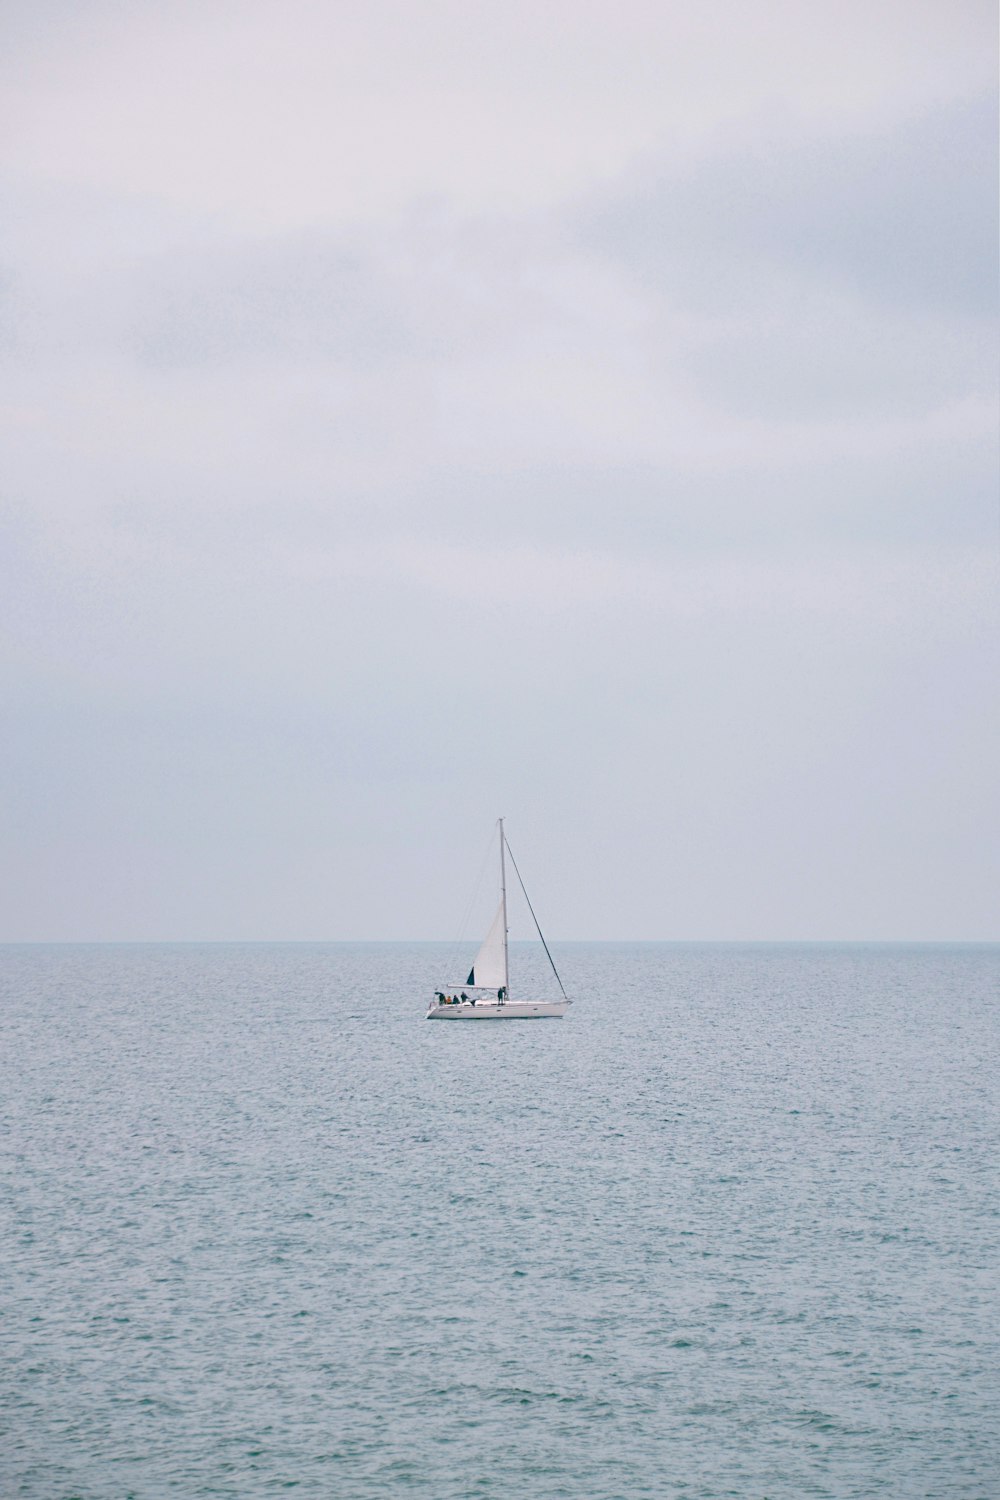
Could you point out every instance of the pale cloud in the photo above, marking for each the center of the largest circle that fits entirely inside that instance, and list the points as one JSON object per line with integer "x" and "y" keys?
{"x": 885, "y": 587}
{"x": 329, "y": 114}
{"x": 901, "y": 214}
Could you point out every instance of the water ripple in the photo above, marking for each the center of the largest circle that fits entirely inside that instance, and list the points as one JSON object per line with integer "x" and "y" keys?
{"x": 729, "y": 1230}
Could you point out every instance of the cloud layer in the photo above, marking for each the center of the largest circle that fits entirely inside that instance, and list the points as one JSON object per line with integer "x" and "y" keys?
{"x": 406, "y": 424}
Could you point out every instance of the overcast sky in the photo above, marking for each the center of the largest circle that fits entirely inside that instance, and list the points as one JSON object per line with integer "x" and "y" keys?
{"x": 417, "y": 412}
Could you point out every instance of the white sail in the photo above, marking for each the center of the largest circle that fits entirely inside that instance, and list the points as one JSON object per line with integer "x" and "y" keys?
{"x": 488, "y": 969}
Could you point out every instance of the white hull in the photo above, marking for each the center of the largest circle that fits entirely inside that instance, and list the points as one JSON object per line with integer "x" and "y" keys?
{"x": 493, "y": 1010}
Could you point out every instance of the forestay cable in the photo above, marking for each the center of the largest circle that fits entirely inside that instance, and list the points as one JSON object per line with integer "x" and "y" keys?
{"x": 527, "y": 898}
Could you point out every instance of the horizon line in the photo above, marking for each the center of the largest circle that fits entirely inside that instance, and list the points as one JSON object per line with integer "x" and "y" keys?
{"x": 439, "y": 942}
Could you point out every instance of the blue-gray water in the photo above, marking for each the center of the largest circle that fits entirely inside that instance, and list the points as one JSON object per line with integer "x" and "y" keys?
{"x": 731, "y": 1229}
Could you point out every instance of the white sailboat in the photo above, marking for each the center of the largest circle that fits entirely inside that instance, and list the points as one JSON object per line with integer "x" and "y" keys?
{"x": 486, "y": 996}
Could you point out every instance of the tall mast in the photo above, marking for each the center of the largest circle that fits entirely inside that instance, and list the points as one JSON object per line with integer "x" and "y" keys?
{"x": 503, "y": 902}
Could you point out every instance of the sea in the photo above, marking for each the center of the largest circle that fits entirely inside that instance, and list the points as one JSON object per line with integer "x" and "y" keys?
{"x": 731, "y": 1228}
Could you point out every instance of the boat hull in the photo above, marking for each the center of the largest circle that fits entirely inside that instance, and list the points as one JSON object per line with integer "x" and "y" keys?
{"x": 493, "y": 1010}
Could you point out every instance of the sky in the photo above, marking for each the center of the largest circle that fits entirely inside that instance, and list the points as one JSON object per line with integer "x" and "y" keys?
{"x": 582, "y": 413}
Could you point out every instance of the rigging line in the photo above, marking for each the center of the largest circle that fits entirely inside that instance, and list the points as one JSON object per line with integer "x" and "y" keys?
{"x": 527, "y": 898}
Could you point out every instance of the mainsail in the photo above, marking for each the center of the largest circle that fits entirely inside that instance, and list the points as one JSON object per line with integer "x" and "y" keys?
{"x": 489, "y": 969}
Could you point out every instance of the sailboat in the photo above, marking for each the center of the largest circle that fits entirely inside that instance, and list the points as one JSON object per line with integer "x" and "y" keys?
{"x": 486, "y": 996}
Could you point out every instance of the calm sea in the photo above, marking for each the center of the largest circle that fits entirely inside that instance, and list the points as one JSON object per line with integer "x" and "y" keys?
{"x": 731, "y": 1229}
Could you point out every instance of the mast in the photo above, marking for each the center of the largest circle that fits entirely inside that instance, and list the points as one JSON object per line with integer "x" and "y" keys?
{"x": 503, "y": 903}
